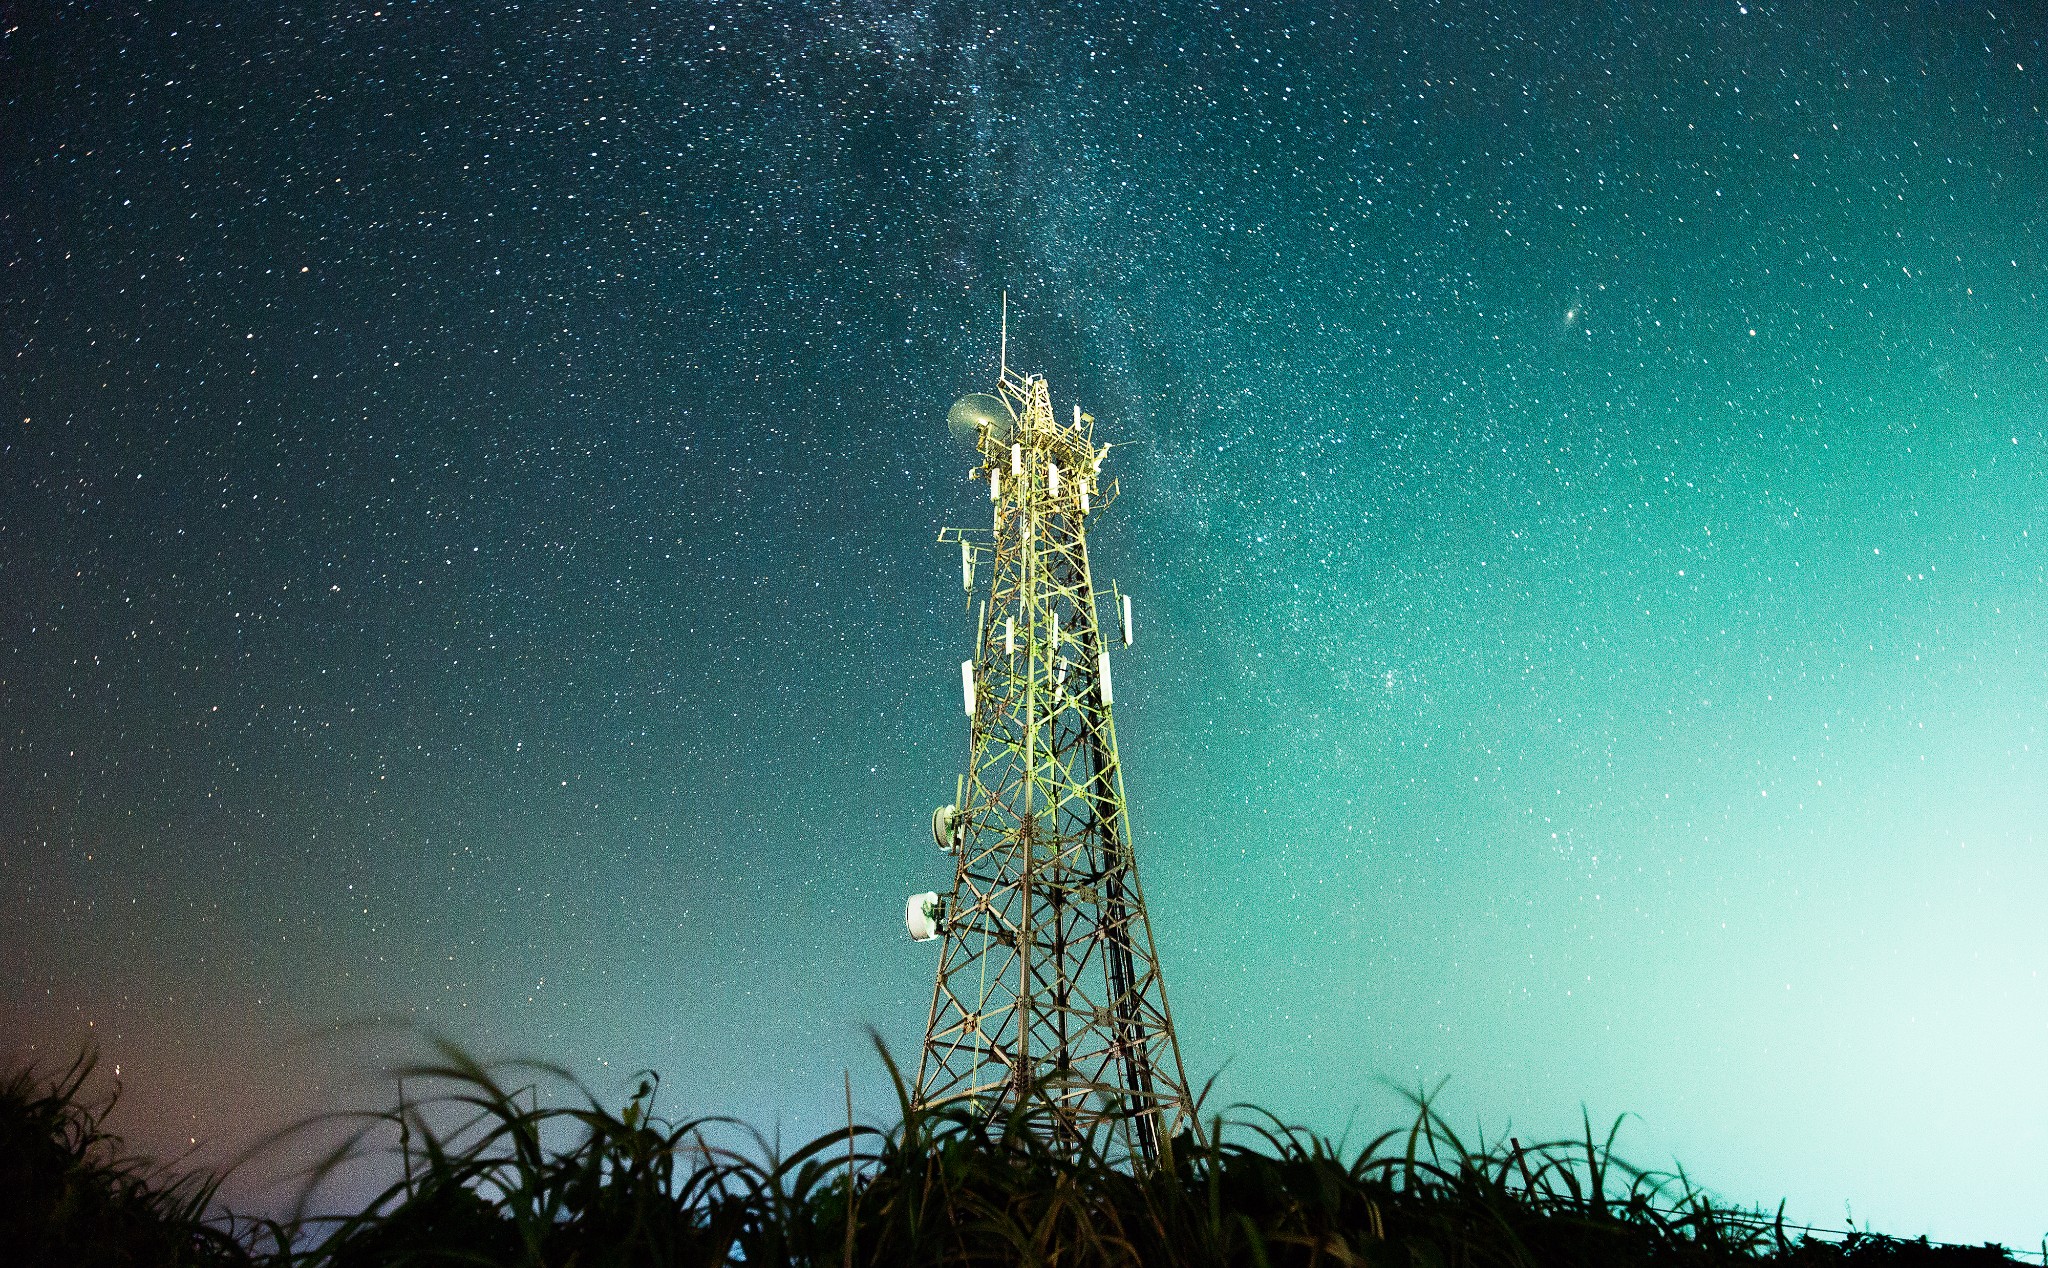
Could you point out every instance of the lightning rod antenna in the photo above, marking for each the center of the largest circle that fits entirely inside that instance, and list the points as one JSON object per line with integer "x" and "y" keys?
{"x": 1003, "y": 348}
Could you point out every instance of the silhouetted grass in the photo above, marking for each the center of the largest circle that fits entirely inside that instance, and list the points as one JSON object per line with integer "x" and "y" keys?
{"x": 71, "y": 1194}
{"x": 488, "y": 1175}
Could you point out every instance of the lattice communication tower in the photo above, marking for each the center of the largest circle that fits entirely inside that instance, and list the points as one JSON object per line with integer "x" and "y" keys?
{"x": 1048, "y": 980}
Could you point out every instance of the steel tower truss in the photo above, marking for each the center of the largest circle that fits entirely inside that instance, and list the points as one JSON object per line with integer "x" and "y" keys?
{"x": 1048, "y": 977}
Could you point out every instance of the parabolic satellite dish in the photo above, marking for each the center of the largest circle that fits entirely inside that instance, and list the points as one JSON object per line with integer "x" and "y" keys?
{"x": 975, "y": 411}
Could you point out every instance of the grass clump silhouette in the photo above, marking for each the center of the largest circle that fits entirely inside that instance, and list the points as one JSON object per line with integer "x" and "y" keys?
{"x": 71, "y": 1193}
{"x": 489, "y": 1175}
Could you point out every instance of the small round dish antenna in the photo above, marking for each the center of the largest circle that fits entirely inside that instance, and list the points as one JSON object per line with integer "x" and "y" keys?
{"x": 924, "y": 915}
{"x": 978, "y": 410}
{"x": 946, "y": 827}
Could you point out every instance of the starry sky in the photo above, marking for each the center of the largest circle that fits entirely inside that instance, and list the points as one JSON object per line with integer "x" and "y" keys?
{"x": 467, "y": 557}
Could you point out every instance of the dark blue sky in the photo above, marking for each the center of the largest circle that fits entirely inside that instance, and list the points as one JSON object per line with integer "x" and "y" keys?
{"x": 467, "y": 561}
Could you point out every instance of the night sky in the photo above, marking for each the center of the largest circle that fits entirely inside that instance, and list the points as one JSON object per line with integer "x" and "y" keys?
{"x": 468, "y": 562}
